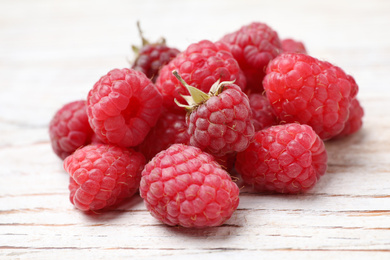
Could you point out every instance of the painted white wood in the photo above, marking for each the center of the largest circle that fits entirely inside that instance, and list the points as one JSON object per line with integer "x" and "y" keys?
{"x": 52, "y": 52}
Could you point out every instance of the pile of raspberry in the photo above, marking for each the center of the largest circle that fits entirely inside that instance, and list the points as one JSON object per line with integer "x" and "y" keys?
{"x": 178, "y": 127}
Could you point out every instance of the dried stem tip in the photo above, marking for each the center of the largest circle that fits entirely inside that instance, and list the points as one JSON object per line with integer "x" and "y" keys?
{"x": 197, "y": 96}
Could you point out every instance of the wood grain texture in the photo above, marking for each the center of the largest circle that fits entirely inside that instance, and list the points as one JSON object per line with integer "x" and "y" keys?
{"x": 52, "y": 52}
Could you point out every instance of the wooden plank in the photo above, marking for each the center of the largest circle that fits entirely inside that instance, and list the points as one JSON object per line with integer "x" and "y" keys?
{"x": 52, "y": 52}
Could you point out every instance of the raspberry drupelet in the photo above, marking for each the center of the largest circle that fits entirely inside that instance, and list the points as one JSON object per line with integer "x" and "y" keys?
{"x": 200, "y": 65}
{"x": 102, "y": 175}
{"x": 283, "y": 158}
{"x": 123, "y": 106}
{"x": 69, "y": 128}
{"x": 185, "y": 186}
{"x": 253, "y": 46}
{"x": 304, "y": 89}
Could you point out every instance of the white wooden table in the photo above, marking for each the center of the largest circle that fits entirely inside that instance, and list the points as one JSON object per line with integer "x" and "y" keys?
{"x": 52, "y": 52}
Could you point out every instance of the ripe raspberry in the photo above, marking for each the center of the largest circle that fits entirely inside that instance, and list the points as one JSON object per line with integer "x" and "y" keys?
{"x": 122, "y": 107}
{"x": 219, "y": 122}
{"x": 226, "y": 161}
{"x": 171, "y": 128}
{"x": 96, "y": 140}
{"x": 354, "y": 122}
{"x": 184, "y": 186}
{"x": 284, "y": 158}
{"x": 253, "y": 46}
{"x": 200, "y": 65}
{"x": 102, "y": 175}
{"x": 293, "y": 46}
{"x": 262, "y": 113}
{"x": 69, "y": 129}
{"x": 303, "y": 89}
{"x": 151, "y": 57}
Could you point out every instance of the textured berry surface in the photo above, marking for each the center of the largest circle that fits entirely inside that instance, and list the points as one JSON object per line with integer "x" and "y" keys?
{"x": 152, "y": 57}
{"x": 303, "y": 89}
{"x": 284, "y": 158}
{"x": 184, "y": 186}
{"x": 96, "y": 140}
{"x": 171, "y": 128}
{"x": 102, "y": 175}
{"x": 200, "y": 65}
{"x": 262, "y": 113}
{"x": 293, "y": 46}
{"x": 355, "y": 120}
{"x": 253, "y": 46}
{"x": 69, "y": 128}
{"x": 227, "y": 161}
{"x": 122, "y": 107}
{"x": 223, "y": 123}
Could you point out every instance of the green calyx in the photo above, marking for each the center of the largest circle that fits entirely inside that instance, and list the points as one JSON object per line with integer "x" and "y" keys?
{"x": 145, "y": 42}
{"x": 197, "y": 96}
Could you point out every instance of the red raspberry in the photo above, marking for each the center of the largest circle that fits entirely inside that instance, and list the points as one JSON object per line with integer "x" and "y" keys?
{"x": 303, "y": 89}
{"x": 171, "y": 128}
{"x": 262, "y": 113}
{"x": 219, "y": 122}
{"x": 102, "y": 175}
{"x": 253, "y": 46}
{"x": 291, "y": 45}
{"x": 284, "y": 158}
{"x": 69, "y": 129}
{"x": 151, "y": 57}
{"x": 122, "y": 107}
{"x": 95, "y": 139}
{"x": 200, "y": 65}
{"x": 354, "y": 122}
{"x": 184, "y": 186}
{"x": 226, "y": 161}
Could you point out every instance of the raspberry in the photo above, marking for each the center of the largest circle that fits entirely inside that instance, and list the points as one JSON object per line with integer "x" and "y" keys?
{"x": 283, "y": 158}
{"x": 200, "y": 65}
{"x": 69, "y": 129}
{"x": 219, "y": 122}
{"x": 96, "y": 140}
{"x": 354, "y": 122}
{"x": 262, "y": 113}
{"x": 226, "y": 161}
{"x": 303, "y": 89}
{"x": 171, "y": 128}
{"x": 184, "y": 186}
{"x": 253, "y": 46}
{"x": 102, "y": 175}
{"x": 151, "y": 57}
{"x": 122, "y": 107}
{"x": 293, "y": 46}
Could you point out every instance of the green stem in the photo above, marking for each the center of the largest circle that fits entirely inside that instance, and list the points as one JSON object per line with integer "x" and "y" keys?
{"x": 144, "y": 41}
